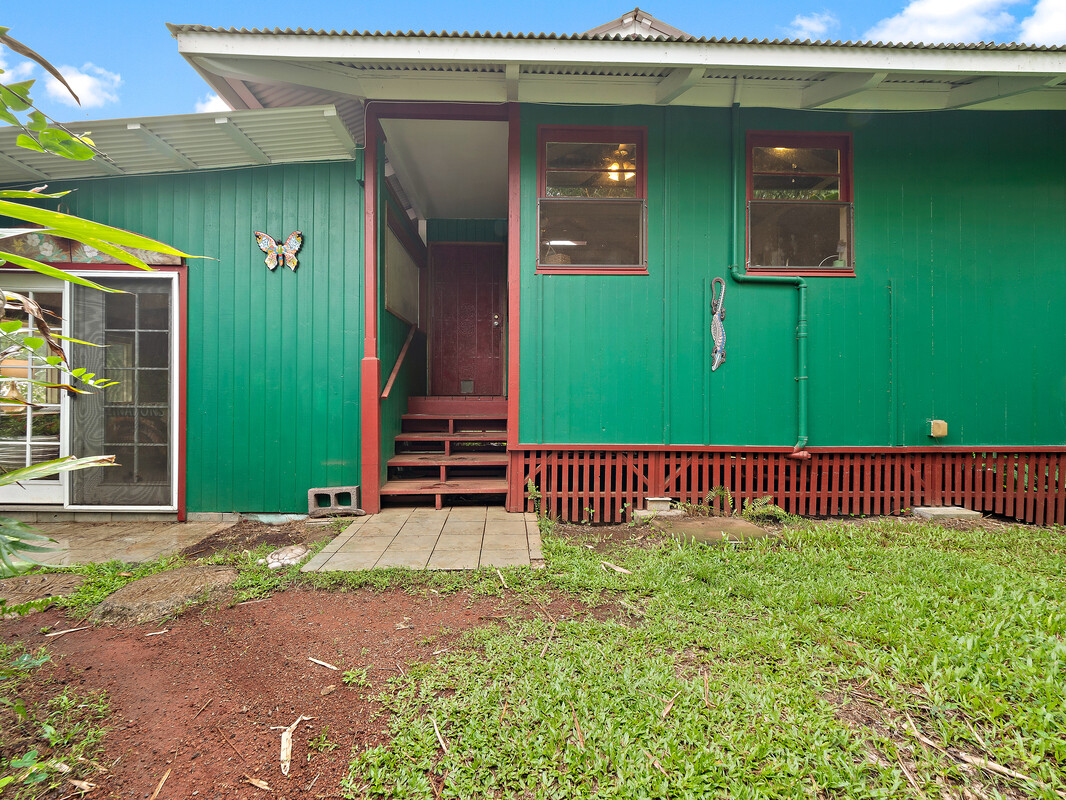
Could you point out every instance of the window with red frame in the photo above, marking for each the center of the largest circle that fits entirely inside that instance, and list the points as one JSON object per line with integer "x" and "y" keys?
{"x": 800, "y": 202}
{"x": 591, "y": 207}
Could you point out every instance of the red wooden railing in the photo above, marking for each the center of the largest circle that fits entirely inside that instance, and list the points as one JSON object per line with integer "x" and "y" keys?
{"x": 608, "y": 484}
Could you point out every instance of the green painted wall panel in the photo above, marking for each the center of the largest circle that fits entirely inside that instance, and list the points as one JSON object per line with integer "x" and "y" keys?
{"x": 273, "y": 357}
{"x": 466, "y": 230}
{"x": 961, "y": 262}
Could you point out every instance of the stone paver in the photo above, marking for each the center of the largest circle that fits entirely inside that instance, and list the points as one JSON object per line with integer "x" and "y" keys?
{"x": 464, "y": 537}
{"x": 130, "y": 542}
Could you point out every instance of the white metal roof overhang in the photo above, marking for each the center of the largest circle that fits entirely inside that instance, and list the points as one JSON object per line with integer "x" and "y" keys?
{"x": 219, "y": 140}
{"x": 259, "y": 68}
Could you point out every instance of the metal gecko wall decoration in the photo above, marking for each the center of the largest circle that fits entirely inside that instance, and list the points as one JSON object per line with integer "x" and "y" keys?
{"x": 717, "y": 327}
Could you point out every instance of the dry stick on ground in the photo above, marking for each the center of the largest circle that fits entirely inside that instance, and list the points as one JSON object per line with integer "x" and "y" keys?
{"x": 670, "y": 705}
{"x": 436, "y": 730}
{"x": 577, "y": 727}
{"x": 910, "y": 778}
{"x": 69, "y": 630}
{"x": 505, "y": 586}
{"x": 205, "y": 705}
{"x": 977, "y": 761}
{"x": 551, "y": 633}
{"x": 542, "y": 608}
{"x": 706, "y": 691}
{"x": 231, "y": 744}
{"x": 159, "y": 788}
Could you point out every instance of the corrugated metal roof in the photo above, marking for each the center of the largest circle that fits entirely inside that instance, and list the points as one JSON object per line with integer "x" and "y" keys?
{"x": 140, "y": 145}
{"x": 584, "y": 37}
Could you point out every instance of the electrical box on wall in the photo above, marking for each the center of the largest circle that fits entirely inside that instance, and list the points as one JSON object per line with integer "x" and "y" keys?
{"x": 938, "y": 428}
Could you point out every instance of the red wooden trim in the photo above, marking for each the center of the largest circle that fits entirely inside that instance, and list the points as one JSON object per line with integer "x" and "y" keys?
{"x": 573, "y": 479}
{"x": 399, "y": 361}
{"x": 183, "y": 387}
{"x": 370, "y": 368}
{"x": 726, "y": 448}
{"x": 803, "y": 273}
{"x": 387, "y": 109}
{"x": 552, "y": 270}
{"x": 514, "y": 274}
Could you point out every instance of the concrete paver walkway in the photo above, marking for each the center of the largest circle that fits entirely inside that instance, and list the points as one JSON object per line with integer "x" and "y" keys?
{"x": 132, "y": 542}
{"x": 462, "y": 537}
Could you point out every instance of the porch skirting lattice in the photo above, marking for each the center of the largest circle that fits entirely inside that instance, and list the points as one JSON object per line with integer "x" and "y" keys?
{"x": 607, "y": 485}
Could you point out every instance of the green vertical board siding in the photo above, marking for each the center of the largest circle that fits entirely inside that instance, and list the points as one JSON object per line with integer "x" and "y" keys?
{"x": 273, "y": 357}
{"x": 960, "y": 262}
{"x": 466, "y": 230}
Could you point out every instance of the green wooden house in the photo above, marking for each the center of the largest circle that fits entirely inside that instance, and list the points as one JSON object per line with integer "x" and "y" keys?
{"x": 615, "y": 265}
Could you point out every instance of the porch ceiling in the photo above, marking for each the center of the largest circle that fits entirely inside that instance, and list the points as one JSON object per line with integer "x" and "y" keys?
{"x": 602, "y": 69}
{"x": 450, "y": 168}
{"x": 140, "y": 145}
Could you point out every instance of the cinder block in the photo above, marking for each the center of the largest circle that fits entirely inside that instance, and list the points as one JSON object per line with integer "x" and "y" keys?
{"x": 946, "y": 512}
{"x": 329, "y": 500}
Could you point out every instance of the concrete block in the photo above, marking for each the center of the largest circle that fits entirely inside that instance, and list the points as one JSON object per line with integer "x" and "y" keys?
{"x": 644, "y": 515}
{"x": 203, "y": 516}
{"x": 946, "y": 512}
{"x": 658, "y": 504}
{"x": 327, "y": 500}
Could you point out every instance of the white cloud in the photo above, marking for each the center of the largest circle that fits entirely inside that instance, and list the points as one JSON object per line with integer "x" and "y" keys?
{"x": 1046, "y": 25}
{"x": 211, "y": 102}
{"x": 94, "y": 85}
{"x": 946, "y": 21}
{"x": 15, "y": 72}
{"x": 813, "y": 26}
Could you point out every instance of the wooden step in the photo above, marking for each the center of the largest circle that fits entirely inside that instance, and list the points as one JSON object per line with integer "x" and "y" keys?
{"x": 451, "y": 406}
{"x": 454, "y": 460}
{"x": 444, "y": 436}
{"x": 401, "y": 486}
{"x": 457, "y": 417}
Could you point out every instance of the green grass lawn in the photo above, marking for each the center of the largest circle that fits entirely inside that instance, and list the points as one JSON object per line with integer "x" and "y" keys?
{"x": 844, "y": 660}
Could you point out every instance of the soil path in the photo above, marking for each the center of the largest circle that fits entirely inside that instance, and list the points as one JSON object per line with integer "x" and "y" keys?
{"x": 242, "y": 672}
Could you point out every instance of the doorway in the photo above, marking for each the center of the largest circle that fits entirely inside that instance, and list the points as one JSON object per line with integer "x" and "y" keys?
{"x": 467, "y": 334}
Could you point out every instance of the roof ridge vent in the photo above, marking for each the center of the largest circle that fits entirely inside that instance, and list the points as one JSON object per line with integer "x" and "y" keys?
{"x": 637, "y": 24}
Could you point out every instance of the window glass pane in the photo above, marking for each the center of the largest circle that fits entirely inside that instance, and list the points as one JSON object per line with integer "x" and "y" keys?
{"x": 795, "y": 187}
{"x": 120, "y": 393}
{"x": 154, "y": 349}
{"x": 799, "y": 235}
{"x": 45, "y": 425}
{"x": 153, "y": 464}
{"x": 123, "y": 471}
{"x": 120, "y": 311}
{"x": 613, "y": 183}
{"x": 154, "y": 386}
{"x": 594, "y": 233}
{"x": 795, "y": 159}
{"x": 155, "y": 312}
{"x": 119, "y": 353}
{"x": 153, "y": 424}
{"x": 119, "y": 427}
{"x": 588, "y": 155}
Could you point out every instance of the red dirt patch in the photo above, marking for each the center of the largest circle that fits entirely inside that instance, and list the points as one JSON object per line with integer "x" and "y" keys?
{"x": 239, "y": 672}
{"x": 249, "y": 534}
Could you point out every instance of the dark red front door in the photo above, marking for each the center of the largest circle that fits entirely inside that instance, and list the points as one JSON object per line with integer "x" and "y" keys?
{"x": 466, "y": 334}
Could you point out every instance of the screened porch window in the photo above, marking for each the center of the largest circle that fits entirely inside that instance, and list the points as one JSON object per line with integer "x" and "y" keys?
{"x": 591, "y": 207}
{"x": 800, "y": 203}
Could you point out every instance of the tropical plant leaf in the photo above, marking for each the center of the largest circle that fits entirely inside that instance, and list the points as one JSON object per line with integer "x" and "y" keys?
{"x": 15, "y": 45}
{"x": 52, "y": 272}
{"x": 17, "y": 194}
{"x": 117, "y": 252}
{"x": 76, "y": 228}
{"x": 48, "y": 468}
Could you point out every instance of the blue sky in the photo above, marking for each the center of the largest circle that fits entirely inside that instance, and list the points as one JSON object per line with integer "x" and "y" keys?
{"x": 123, "y": 62}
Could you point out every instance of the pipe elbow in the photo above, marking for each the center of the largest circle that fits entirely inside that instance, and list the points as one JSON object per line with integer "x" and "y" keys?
{"x": 799, "y": 453}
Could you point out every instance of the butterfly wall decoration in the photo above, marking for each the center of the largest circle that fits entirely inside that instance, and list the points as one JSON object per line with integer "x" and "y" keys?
{"x": 287, "y": 250}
